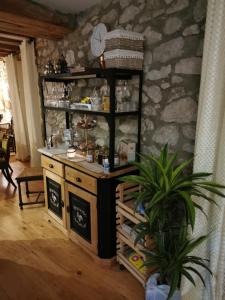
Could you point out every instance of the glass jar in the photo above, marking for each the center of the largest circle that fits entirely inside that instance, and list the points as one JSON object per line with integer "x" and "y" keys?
{"x": 90, "y": 156}
{"x": 116, "y": 160}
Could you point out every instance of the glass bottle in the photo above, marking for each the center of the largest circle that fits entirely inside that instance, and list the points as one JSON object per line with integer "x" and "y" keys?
{"x": 105, "y": 93}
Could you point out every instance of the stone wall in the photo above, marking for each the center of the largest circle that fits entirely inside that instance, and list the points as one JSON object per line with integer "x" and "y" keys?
{"x": 174, "y": 32}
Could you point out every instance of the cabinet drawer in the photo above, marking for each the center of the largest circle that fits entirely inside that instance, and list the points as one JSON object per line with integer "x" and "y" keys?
{"x": 52, "y": 165}
{"x": 85, "y": 181}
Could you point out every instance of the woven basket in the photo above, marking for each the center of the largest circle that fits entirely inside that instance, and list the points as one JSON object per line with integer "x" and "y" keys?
{"x": 123, "y": 39}
{"x": 122, "y": 43}
{"x": 124, "y": 59}
{"x": 122, "y": 63}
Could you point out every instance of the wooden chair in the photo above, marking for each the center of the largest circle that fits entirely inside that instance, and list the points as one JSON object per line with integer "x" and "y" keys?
{"x": 4, "y": 160}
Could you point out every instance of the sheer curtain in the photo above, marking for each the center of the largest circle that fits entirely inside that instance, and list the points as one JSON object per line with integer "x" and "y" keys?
{"x": 210, "y": 153}
{"x": 32, "y": 100}
{"x": 19, "y": 116}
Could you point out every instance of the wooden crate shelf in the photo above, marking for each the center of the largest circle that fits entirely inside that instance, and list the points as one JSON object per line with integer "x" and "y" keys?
{"x": 126, "y": 215}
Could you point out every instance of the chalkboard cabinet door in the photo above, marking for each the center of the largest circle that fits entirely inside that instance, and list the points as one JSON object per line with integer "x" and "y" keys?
{"x": 55, "y": 197}
{"x": 81, "y": 217}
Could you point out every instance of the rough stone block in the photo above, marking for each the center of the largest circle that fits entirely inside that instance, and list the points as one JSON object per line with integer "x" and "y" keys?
{"x": 173, "y": 24}
{"x": 180, "y": 111}
{"x": 169, "y": 50}
{"x": 166, "y": 135}
{"x": 191, "y": 65}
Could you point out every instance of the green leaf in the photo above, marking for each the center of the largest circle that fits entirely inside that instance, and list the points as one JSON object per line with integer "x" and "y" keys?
{"x": 174, "y": 280}
{"x": 180, "y": 168}
{"x": 200, "y": 208}
{"x": 212, "y": 184}
{"x": 190, "y": 207}
{"x": 212, "y": 190}
{"x": 188, "y": 276}
{"x": 196, "y": 272}
{"x": 192, "y": 245}
{"x": 199, "y": 262}
{"x": 165, "y": 179}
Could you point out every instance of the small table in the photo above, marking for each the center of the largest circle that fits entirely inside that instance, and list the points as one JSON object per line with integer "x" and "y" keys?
{"x": 27, "y": 175}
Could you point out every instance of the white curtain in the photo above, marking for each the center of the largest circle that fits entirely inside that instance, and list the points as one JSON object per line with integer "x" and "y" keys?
{"x": 210, "y": 153}
{"x": 19, "y": 117}
{"x": 32, "y": 100}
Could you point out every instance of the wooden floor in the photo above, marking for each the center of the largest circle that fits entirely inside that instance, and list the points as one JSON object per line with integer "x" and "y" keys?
{"x": 38, "y": 262}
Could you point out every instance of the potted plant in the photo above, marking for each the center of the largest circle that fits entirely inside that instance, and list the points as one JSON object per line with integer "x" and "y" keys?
{"x": 165, "y": 194}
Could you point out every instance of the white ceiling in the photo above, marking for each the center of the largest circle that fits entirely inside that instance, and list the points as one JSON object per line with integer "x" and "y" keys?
{"x": 68, "y": 6}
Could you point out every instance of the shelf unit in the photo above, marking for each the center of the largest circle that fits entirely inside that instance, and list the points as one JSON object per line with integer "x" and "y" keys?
{"x": 111, "y": 75}
{"x": 125, "y": 241}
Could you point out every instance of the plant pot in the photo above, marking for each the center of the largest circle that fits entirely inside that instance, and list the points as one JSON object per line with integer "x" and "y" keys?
{"x": 155, "y": 291}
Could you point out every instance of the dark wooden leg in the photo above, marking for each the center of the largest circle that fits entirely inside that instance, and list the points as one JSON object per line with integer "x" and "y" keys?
{"x": 20, "y": 197}
{"x": 10, "y": 178}
{"x": 5, "y": 175}
{"x": 27, "y": 189}
{"x": 10, "y": 168}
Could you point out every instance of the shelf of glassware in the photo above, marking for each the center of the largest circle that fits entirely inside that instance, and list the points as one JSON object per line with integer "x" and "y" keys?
{"x": 91, "y": 112}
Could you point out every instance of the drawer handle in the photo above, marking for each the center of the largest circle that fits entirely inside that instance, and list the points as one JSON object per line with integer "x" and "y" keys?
{"x": 62, "y": 203}
{"x": 78, "y": 179}
{"x": 51, "y": 166}
{"x": 68, "y": 209}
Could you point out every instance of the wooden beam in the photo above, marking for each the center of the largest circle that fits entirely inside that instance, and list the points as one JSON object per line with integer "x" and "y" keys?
{"x": 8, "y": 41}
{"x": 14, "y": 24}
{"x": 37, "y": 11}
{"x": 8, "y": 47}
{"x": 12, "y": 37}
{"x": 3, "y": 54}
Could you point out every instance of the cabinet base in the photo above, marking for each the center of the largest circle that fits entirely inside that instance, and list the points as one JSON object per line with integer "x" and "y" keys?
{"x": 51, "y": 218}
{"x": 105, "y": 263}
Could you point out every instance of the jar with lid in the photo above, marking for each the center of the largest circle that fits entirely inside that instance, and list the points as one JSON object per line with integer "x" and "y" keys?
{"x": 90, "y": 156}
{"x": 71, "y": 152}
{"x": 116, "y": 159}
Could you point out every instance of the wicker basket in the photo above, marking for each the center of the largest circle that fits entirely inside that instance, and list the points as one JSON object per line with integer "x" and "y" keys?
{"x": 123, "y": 39}
{"x": 124, "y": 59}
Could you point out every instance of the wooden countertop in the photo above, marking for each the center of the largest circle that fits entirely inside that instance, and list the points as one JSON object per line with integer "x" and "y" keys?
{"x": 83, "y": 166}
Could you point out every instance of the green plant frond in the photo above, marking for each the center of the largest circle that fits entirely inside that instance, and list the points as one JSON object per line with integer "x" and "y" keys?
{"x": 211, "y": 189}
{"x": 198, "y": 193}
{"x": 164, "y": 155}
{"x": 191, "y": 246}
{"x": 155, "y": 199}
{"x": 152, "y": 215}
{"x": 188, "y": 276}
{"x": 180, "y": 168}
{"x": 145, "y": 170}
{"x": 164, "y": 177}
{"x": 141, "y": 198}
{"x": 168, "y": 167}
{"x": 197, "y": 273}
{"x": 212, "y": 184}
{"x": 174, "y": 282}
{"x": 190, "y": 207}
{"x": 197, "y": 176}
{"x": 181, "y": 183}
{"x": 133, "y": 179}
{"x": 199, "y": 262}
{"x": 200, "y": 208}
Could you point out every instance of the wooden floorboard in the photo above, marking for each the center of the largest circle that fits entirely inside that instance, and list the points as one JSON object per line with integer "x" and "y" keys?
{"x": 38, "y": 262}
